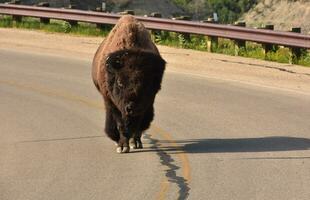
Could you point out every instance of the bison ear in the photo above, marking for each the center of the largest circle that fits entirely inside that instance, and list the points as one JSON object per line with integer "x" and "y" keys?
{"x": 115, "y": 60}
{"x": 160, "y": 65}
{"x": 155, "y": 61}
{"x": 155, "y": 64}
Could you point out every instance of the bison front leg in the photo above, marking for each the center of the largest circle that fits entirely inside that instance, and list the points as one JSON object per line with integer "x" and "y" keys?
{"x": 135, "y": 141}
{"x": 144, "y": 123}
{"x": 123, "y": 143}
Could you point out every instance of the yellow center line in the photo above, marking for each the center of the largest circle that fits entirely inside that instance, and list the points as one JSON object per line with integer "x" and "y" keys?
{"x": 182, "y": 156}
{"x": 164, "y": 185}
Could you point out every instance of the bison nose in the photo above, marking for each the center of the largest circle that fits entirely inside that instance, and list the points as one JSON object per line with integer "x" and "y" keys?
{"x": 129, "y": 109}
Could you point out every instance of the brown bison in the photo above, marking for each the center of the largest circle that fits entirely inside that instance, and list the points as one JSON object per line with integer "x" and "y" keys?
{"x": 127, "y": 71}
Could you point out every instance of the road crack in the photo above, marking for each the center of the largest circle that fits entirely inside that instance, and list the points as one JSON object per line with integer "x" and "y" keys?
{"x": 171, "y": 173}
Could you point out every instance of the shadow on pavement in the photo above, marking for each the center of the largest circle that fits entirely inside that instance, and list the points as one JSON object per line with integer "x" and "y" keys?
{"x": 235, "y": 145}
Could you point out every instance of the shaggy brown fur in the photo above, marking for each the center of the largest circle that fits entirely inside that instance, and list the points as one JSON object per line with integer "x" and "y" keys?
{"x": 127, "y": 71}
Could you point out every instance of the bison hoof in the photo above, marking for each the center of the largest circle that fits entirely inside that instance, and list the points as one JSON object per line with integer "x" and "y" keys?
{"x": 132, "y": 146}
{"x": 125, "y": 150}
{"x": 135, "y": 144}
{"x": 139, "y": 145}
{"x": 122, "y": 150}
{"x": 119, "y": 150}
{"x": 132, "y": 143}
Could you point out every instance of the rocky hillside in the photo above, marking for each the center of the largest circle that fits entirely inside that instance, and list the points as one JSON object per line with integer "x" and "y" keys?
{"x": 284, "y": 14}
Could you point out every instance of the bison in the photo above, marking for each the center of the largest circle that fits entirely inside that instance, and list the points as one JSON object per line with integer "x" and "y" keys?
{"x": 128, "y": 70}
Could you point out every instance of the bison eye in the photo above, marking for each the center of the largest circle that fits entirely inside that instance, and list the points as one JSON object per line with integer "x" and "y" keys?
{"x": 119, "y": 83}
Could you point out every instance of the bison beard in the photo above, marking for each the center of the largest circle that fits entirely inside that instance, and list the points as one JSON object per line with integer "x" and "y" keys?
{"x": 128, "y": 71}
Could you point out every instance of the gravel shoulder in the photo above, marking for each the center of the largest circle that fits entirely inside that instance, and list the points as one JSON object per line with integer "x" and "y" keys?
{"x": 244, "y": 70}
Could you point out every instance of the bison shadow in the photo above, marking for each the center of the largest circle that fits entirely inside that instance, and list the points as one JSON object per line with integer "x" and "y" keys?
{"x": 238, "y": 145}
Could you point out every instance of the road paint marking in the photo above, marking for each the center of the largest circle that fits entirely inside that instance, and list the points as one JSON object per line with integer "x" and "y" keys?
{"x": 164, "y": 185}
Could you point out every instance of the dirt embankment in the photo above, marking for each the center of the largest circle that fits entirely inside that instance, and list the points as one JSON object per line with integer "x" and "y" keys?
{"x": 215, "y": 66}
{"x": 284, "y": 14}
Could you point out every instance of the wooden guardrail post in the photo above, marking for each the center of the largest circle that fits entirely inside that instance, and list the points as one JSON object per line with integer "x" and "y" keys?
{"x": 71, "y": 22}
{"x": 16, "y": 18}
{"x": 267, "y": 47}
{"x": 186, "y": 36}
{"x": 296, "y": 52}
{"x": 44, "y": 20}
{"x": 239, "y": 44}
{"x": 103, "y": 8}
{"x": 212, "y": 41}
{"x": 156, "y": 33}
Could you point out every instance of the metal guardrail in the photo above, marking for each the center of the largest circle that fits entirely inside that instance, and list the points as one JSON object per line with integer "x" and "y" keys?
{"x": 288, "y": 39}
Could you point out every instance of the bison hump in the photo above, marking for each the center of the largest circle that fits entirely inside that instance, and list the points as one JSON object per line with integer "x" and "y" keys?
{"x": 129, "y": 33}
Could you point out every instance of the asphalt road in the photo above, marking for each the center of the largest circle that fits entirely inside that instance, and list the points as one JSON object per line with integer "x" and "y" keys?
{"x": 211, "y": 138}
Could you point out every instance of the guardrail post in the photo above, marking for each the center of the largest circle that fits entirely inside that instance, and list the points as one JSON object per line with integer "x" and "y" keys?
{"x": 267, "y": 47}
{"x": 239, "y": 44}
{"x": 109, "y": 26}
{"x": 106, "y": 27}
{"x": 16, "y": 18}
{"x": 295, "y": 52}
{"x": 43, "y": 19}
{"x": 212, "y": 41}
{"x": 186, "y": 36}
{"x": 71, "y": 22}
{"x": 156, "y": 32}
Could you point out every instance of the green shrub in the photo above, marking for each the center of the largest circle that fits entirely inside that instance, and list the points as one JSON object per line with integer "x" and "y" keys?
{"x": 6, "y": 21}
{"x": 66, "y": 27}
{"x": 228, "y": 10}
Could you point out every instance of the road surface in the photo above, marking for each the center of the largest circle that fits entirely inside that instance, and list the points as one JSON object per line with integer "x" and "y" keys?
{"x": 211, "y": 138}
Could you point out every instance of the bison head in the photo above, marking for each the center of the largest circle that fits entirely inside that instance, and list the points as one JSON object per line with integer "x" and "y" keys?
{"x": 133, "y": 79}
